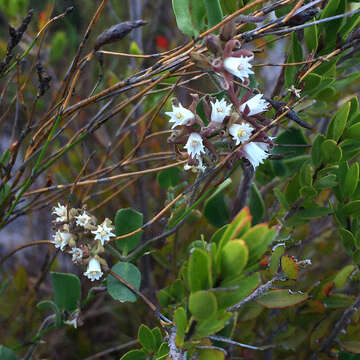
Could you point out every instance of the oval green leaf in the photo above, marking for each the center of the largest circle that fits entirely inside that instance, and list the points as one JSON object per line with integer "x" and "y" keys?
{"x": 199, "y": 270}
{"x": 146, "y": 338}
{"x": 126, "y": 221}
{"x": 281, "y": 298}
{"x": 67, "y": 290}
{"x": 202, "y": 304}
{"x": 129, "y": 273}
{"x": 234, "y": 258}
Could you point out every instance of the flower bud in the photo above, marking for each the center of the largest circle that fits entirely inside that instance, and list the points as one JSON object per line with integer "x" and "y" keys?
{"x": 213, "y": 44}
{"x": 228, "y": 30}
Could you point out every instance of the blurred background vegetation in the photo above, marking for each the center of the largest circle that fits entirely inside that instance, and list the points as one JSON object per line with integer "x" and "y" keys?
{"x": 108, "y": 323}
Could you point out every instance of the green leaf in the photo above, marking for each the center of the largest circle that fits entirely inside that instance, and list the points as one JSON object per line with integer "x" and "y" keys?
{"x": 48, "y": 304}
{"x": 308, "y": 192}
{"x": 292, "y": 191}
{"x": 350, "y": 148}
{"x": 58, "y": 46}
{"x": 202, "y": 304}
{"x": 215, "y": 209}
{"x": 256, "y": 205}
{"x": 6, "y": 353}
{"x": 353, "y": 132}
{"x": 134, "y": 49}
{"x": 281, "y": 298}
{"x": 241, "y": 223}
{"x": 129, "y": 273}
{"x": 330, "y": 28}
{"x": 342, "y": 276}
{"x": 229, "y": 6}
{"x": 67, "y": 290}
{"x": 337, "y": 301}
{"x": 180, "y": 320}
{"x": 311, "y": 35}
{"x": 243, "y": 287}
{"x": 5, "y": 156}
{"x": 218, "y": 234}
{"x": 306, "y": 175}
{"x": 214, "y": 12}
{"x": 351, "y": 180}
{"x": 4, "y": 193}
{"x": 282, "y": 198}
{"x": 338, "y": 123}
{"x": 168, "y": 177}
{"x": 312, "y": 81}
{"x": 212, "y": 324}
{"x": 295, "y": 55}
{"x": 275, "y": 258}
{"x": 331, "y": 153}
{"x": 352, "y": 208}
{"x": 348, "y": 241}
{"x": 157, "y": 336}
{"x": 183, "y": 17}
{"x": 126, "y": 221}
{"x": 234, "y": 256}
{"x": 134, "y": 355}
{"x": 290, "y": 136}
{"x": 326, "y": 182}
{"x": 199, "y": 270}
{"x": 146, "y": 338}
{"x": 314, "y": 212}
{"x": 352, "y": 346}
{"x": 210, "y": 354}
{"x": 289, "y": 267}
{"x": 198, "y": 14}
{"x": 325, "y": 83}
{"x": 258, "y": 238}
{"x": 163, "y": 352}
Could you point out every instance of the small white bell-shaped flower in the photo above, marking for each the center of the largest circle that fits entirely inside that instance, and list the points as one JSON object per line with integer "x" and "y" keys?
{"x": 61, "y": 239}
{"x": 256, "y": 105}
{"x": 93, "y": 271}
{"x": 83, "y": 220}
{"x": 61, "y": 213}
{"x": 179, "y": 116}
{"x": 256, "y": 152}
{"x": 76, "y": 253}
{"x": 194, "y": 145}
{"x": 240, "y": 132}
{"x": 219, "y": 110}
{"x": 103, "y": 231}
{"x": 239, "y": 66}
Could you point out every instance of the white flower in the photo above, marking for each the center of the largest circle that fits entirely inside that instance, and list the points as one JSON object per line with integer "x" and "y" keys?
{"x": 200, "y": 167}
{"x": 179, "y": 115}
{"x": 219, "y": 110}
{"x": 61, "y": 239}
{"x": 93, "y": 271}
{"x": 256, "y": 152}
{"x": 296, "y": 92}
{"x": 61, "y": 212}
{"x": 240, "y": 132}
{"x": 194, "y": 145}
{"x": 103, "y": 231}
{"x": 256, "y": 105}
{"x": 83, "y": 220}
{"x": 74, "y": 318}
{"x": 77, "y": 254}
{"x": 239, "y": 66}
{"x": 72, "y": 322}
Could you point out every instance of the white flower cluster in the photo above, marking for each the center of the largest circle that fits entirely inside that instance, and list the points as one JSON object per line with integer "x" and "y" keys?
{"x": 86, "y": 239}
{"x": 255, "y": 152}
